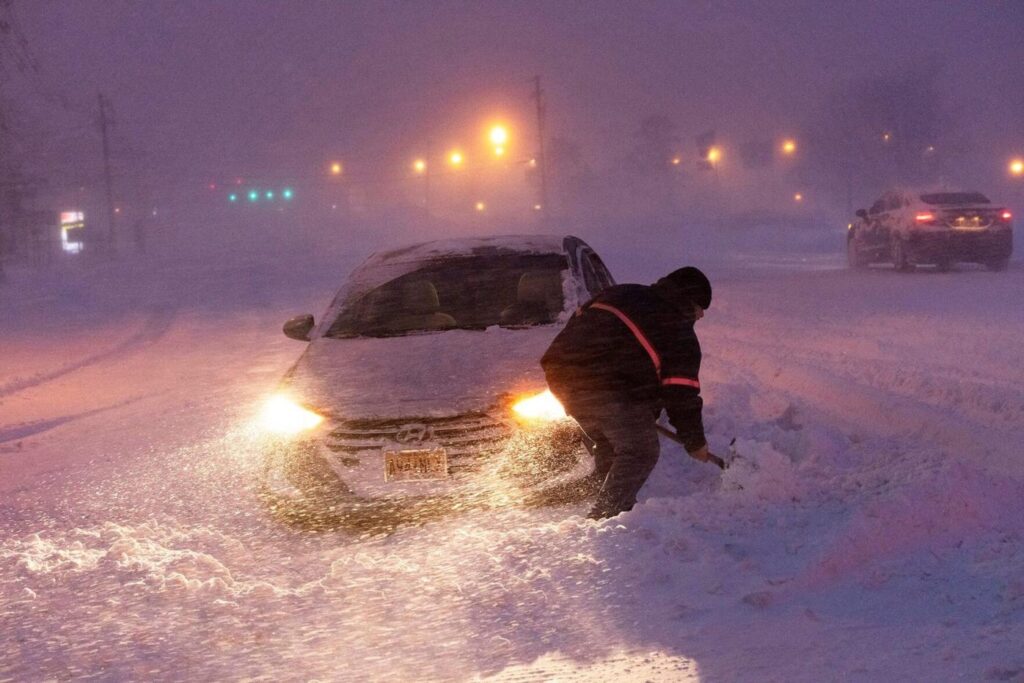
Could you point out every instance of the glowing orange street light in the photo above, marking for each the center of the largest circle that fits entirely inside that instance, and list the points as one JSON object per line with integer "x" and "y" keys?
{"x": 789, "y": 147}
{"x": 676, "y": 161}
{"x": 335, "y": 168}
{"x": 798, "y": 197}
{"x": 480, "y": 206}
{"x": 1017, "y": 167}
{"x": 499, "y": 151}
{"x": 532, "y": 163}
{"x": 498, "y": 136}
{"x": 886, "y": 136}
{"x": 419, "y": 166}
{"x": 455, "y": 158}
{"x": 714, "y": 155}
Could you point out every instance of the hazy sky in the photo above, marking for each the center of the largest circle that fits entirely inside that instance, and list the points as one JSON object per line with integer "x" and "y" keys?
{"x": 220, "y": 85}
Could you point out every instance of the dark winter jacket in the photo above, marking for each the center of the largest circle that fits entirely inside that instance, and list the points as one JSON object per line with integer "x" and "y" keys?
{"x": 633, "y": 343}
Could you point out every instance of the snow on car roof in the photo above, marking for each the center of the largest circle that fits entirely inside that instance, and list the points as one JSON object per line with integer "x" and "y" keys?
{"x": 425, "y": 251}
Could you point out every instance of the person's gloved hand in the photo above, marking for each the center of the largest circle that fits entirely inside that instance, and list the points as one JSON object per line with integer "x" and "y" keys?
{"x": 701, "y": 453}
{"x": 704, "y": 455}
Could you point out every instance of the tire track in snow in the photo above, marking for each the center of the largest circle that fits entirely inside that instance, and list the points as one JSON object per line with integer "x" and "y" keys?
{"x": 900, "y": 437}
{"x": 155, "y": 327}
{"x": 919, "y": 394}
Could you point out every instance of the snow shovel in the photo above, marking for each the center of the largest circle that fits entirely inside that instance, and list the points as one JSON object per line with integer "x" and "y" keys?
{"x": 722, "y": 464}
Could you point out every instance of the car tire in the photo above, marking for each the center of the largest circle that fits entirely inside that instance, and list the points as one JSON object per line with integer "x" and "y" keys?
{"x": 900, "y": 260}
{"x": 854, "y": 258}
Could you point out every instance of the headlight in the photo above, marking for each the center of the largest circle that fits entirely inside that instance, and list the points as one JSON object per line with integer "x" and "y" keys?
{"x": 543, "y": 407}
{"x": 283, "y": 416}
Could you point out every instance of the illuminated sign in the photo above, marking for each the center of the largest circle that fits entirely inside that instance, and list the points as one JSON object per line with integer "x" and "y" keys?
{"x": 72, "y": 226}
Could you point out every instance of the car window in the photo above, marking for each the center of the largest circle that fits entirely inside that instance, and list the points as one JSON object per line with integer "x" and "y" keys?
{"x": 460, "y": 293}
{"x": 601, "y": 273}
{"x": 955, "y": 198}
{"x": 589, "y": 277}
{"x": 595, "y": 273}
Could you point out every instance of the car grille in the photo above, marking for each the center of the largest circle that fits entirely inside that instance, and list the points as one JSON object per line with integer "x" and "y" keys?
{"x": 469, "y": 439}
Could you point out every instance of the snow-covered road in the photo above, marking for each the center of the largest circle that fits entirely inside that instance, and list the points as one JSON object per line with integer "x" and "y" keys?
{"x": 879, "y": 537}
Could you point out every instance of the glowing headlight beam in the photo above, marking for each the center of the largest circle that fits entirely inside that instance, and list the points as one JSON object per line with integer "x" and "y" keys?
{"x": 543, "y": 406}
{"x": 283, "y": 416}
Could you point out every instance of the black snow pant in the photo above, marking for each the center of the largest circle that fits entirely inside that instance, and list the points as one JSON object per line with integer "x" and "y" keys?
{"x": 624, "y": 442}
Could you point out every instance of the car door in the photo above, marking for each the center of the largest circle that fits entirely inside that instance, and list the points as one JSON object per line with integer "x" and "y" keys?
{"x": 874, "y": 233}
{"x": 892, "y": 216}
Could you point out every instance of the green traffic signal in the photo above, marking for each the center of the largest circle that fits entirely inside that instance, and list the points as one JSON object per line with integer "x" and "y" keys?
{"x": 253, "y": 195}
{"x": 287, "y": 193}
{"x": 232, "y": 197}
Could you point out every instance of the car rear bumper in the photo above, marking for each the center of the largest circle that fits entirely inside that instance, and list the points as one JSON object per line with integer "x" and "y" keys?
{"x": 982, "y": 246}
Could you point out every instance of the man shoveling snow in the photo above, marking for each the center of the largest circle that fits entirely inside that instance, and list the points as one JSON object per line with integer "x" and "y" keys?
{"x": 626, "y": 355}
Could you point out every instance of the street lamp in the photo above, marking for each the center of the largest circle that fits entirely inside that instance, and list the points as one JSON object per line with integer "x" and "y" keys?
{"x": 714, "y": 155}
{"x": 455, "y": 158}
{"x": 798, "y": 197}
{"x": 498, "y": 136}
{"x": 419, "y": 166}
{"x": 336, "y": 168}
{"x": 480, "y": 206}
{"x": 789, "y": 147}
{"x": 1017, "y": 168}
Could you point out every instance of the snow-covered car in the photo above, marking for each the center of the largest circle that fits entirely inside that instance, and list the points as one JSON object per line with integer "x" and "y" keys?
{"x": 939, "y": 227}
{"x": 421, "y": 388}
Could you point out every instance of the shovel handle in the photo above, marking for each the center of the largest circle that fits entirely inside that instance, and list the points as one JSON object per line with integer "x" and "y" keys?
{"x": 713, "y": 459}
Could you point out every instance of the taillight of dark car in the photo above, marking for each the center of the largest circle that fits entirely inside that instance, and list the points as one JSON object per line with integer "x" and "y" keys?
{"x": 1005, "y": 216}
{"x": 924, "y": 218}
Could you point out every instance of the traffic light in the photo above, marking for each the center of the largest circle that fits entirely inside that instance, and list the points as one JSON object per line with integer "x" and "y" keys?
{"x": 255, "y": 195}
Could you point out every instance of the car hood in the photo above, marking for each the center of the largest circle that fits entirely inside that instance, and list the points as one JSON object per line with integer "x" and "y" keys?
{"x": 421, "y": 375}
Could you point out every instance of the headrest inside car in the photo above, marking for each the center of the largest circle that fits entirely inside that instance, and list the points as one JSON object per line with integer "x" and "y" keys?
{"x": 540, "y": 287}
{"x": 419, "y": 296}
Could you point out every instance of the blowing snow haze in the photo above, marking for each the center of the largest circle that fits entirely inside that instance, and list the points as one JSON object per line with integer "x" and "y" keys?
{"x": 274, "y": 92}
{"x": 422, "y": 196}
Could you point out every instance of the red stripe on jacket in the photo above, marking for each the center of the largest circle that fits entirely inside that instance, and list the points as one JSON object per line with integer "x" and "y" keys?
{"x": 640, "y": 337}
{"x": 648, "y": 347}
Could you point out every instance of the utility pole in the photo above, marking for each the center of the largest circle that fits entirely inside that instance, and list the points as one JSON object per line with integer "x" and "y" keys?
{"x": 538, "y": 96}
{"x": 428, "y": 164}
{"x": 104, "y": 124}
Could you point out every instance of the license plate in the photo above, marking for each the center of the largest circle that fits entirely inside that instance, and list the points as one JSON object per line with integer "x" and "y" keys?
{"x": 415, "y": 465}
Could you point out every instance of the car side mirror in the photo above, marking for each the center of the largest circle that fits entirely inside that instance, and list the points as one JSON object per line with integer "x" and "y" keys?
{"x": 861, "y": 213}
{"x": 299, "y": 327}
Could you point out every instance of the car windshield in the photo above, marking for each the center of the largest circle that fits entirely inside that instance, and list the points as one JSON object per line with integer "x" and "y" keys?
{"x": 476, "y": 292}
{"x": 955, "y": 198}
